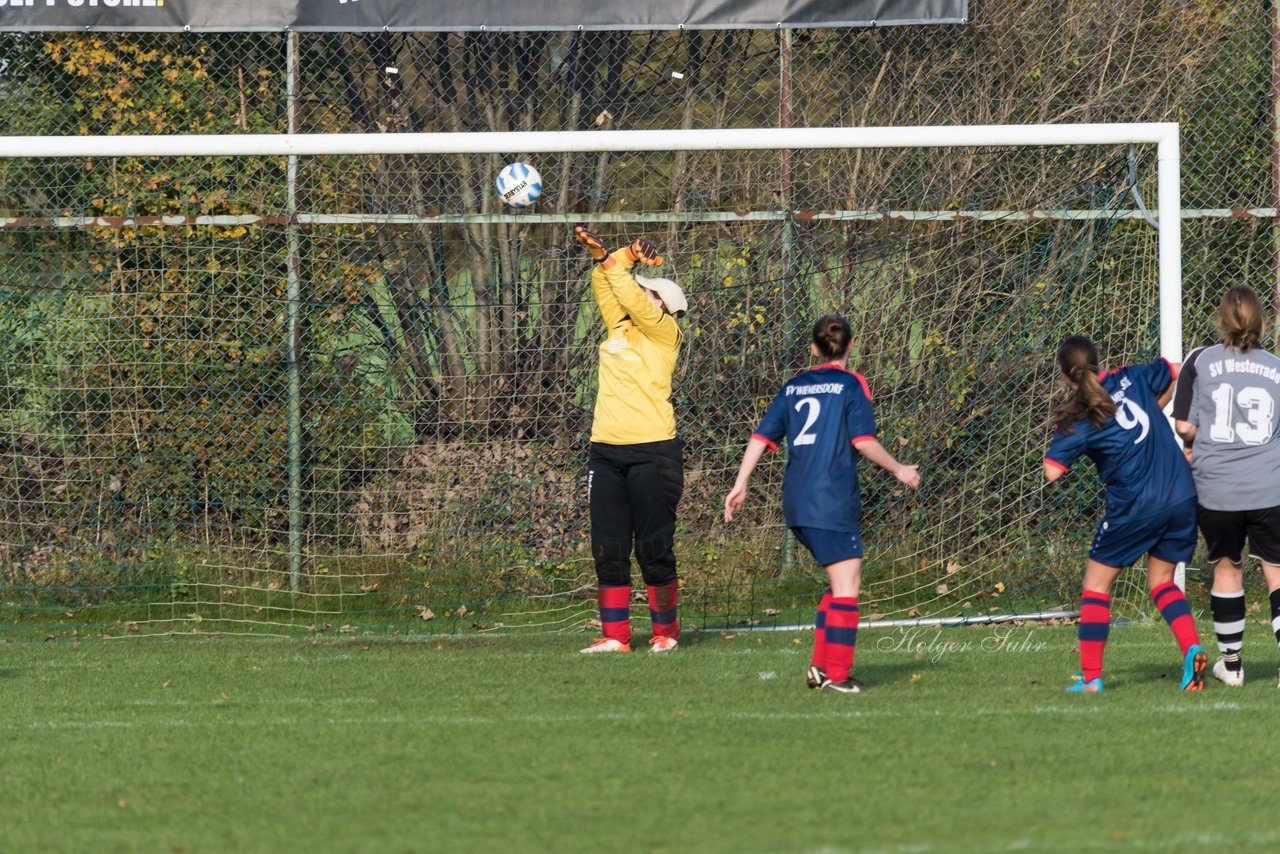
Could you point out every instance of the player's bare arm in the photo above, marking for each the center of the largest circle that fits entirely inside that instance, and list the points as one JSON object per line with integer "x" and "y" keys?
{"x": 737, "y": 496}
{"x": 876, "y": 453}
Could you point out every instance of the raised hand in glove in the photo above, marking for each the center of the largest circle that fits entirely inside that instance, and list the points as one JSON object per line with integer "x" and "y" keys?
{"x": 642, "y": 251}
{"x": 591, "y": 242}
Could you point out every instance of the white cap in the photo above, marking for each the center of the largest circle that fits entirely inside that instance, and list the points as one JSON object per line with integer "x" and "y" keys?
{"x": 671, "y": 294}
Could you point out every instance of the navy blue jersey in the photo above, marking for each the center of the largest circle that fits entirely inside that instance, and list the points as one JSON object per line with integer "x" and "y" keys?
{"x": 821, "y": 414}
{"x": 1136, "y": 453}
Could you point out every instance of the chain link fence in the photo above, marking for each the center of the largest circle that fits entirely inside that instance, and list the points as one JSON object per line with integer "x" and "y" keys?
{"x": 353, "y": 393}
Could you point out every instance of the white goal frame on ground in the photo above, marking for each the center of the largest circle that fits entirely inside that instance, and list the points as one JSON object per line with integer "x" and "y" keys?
{"x": 1164, "y": 135}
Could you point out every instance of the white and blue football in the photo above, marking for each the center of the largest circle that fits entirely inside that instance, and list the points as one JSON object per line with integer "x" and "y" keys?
{"x": 519, "y": 184}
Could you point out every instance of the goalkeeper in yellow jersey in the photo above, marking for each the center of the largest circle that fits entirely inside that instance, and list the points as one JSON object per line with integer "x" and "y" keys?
{"x": 636, "y": 463}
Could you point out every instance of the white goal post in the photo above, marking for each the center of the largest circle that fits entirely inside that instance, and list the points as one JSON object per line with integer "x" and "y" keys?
{"x": 1164, "y": 135}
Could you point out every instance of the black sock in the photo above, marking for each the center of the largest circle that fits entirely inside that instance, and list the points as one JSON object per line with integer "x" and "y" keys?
{"x": 1275, "y": 614}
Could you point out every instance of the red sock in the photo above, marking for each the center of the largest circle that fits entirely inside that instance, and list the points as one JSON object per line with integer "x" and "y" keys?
{"x": 842, "y": 636}
{"x": 615, "y": 611}
{"x": 662, "y": 610}
{"x": 1176, "y": 611}
{"x": 820, "y": 632}
{"x": 1095, "y": 625}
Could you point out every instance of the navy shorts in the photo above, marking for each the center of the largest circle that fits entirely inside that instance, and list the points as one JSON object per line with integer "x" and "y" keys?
{"x": 1167, "y": 534}
{"x": 828, "y": 547}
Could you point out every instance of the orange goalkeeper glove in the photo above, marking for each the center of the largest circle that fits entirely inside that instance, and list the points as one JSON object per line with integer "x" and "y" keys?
{"x": 643, "y": 252}
{"x": 591, "y": 242}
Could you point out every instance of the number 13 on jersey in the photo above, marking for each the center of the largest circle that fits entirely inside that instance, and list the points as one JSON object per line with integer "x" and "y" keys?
{"x": 1259, "y": 410}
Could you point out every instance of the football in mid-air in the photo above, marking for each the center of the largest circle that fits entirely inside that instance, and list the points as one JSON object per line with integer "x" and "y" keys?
{"x": 519, "y": 184}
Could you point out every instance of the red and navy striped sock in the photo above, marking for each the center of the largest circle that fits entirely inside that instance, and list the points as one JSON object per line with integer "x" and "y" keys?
{"x": 842, "y": 636}
{"x": 662, "y": 610}
{"x": 1095, "y": 625}
{"x": 615, "y": 611}
{"x": 820, "y": 632}
{"x": 1176, "y": 611}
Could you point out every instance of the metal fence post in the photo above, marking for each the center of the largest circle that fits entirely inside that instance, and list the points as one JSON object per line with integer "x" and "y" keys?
{"x": 294, "y": 333}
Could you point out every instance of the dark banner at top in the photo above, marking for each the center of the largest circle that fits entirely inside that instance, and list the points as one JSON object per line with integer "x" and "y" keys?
{"x": 467, "y": 15}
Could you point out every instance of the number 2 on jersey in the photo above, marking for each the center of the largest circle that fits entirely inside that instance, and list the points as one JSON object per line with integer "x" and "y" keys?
{"x": 1259, "y": 410}
{"x": 814, "y": 407}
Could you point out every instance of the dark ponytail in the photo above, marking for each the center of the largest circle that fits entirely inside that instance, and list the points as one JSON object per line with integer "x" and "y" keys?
{"x": 832, "y": 336}
{"x": 1078, "y": 360}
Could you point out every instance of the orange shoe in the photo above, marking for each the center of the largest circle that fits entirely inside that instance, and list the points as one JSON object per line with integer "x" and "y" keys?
{"x": 661, "y": 643}
{"x": 606, "y": 645}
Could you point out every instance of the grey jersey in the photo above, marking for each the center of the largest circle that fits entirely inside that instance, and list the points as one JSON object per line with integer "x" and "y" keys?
{"x": 1233, "y": 399}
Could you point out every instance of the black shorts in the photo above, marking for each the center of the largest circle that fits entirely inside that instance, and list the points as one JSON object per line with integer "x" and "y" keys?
{"x": 1225, "y": 532}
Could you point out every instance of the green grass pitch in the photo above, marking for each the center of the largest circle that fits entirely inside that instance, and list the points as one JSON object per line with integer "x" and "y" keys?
{"x": 517, "y": 743}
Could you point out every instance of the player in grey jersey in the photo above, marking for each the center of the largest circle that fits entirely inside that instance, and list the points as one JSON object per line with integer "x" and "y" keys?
{"x": 1226, "y": 403}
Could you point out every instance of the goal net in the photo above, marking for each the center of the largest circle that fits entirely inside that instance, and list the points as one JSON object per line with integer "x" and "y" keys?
{"x": 330, "y": 384}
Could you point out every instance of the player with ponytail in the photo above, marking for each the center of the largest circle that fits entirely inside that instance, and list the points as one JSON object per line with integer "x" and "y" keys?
{"x": 1115, "y": 419}
{"x": 1078, "y": 360}
{"x": 824, "y": 415}
{"x": 1226, "y": 403}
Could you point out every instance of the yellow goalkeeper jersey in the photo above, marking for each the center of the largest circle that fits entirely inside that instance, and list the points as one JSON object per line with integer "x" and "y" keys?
{"x": 633, "y": 403}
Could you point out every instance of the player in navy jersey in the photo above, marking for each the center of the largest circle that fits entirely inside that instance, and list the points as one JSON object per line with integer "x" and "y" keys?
{"x": 824, "y": 415}
{"x": 1115, "y": 419}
